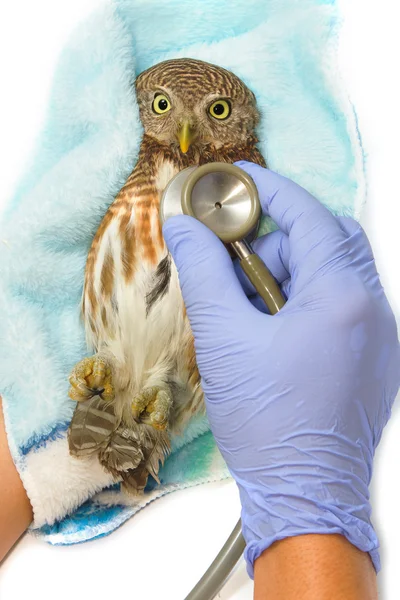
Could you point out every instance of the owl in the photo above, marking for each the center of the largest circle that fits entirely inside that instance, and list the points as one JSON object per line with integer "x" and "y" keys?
{"x": 142, "y": 384}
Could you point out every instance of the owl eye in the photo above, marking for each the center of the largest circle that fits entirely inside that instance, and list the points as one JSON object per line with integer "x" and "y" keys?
{"x": 161, "y": 104}
{"x": 221, "y": 109}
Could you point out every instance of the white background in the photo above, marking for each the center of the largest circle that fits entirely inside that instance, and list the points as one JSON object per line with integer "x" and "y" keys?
{"x": 163, "y": 550}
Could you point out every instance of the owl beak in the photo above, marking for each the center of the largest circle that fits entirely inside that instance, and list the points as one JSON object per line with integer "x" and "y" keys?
{"x": 185, "y": 137}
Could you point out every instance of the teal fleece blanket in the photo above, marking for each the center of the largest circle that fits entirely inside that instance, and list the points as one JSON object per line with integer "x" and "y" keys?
{"x": 285, "y": 51}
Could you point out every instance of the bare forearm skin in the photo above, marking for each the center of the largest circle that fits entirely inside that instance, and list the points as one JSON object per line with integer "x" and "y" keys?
{"x": 314, "y": 567}
{"x": 15, "y": 508}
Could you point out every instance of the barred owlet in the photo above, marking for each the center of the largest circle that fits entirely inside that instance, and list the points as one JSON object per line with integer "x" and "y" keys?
{"x": 142, "y": 384}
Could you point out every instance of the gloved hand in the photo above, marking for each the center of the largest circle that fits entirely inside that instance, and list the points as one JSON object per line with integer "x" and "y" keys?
{"x": 296, "y": 401}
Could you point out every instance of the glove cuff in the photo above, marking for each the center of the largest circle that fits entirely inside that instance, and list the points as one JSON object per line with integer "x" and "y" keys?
{"x": 283, "y": 517}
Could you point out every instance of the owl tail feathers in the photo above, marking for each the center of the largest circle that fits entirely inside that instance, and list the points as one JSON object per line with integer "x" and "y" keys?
{"x": 134, "y": 453}
{"x": 130, "y": 453}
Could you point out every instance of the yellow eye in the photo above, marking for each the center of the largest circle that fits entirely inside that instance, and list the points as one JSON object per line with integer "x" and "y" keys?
{"x": 161, "y": 104}
{"x": 221, "y": 109}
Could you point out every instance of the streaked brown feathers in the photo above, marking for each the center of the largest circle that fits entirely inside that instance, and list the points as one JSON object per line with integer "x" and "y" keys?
{"x": 92, "y": 425}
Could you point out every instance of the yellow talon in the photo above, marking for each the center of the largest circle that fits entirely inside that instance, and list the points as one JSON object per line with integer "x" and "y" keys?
{"x": 152, "y": 406}
{"x": 108, "y": 395}
{"x": 91, "y": 376}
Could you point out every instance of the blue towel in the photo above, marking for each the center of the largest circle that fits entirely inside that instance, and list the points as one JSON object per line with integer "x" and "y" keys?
{"x": 285, "y": 51}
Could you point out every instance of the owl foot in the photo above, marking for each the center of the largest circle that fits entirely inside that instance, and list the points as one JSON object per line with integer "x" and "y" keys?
{"x": 91, "y": 377}
{"x": 152, "y": 407}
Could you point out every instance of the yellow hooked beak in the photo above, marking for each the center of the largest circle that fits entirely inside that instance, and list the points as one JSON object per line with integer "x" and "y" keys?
{"x": 185, "y": 137}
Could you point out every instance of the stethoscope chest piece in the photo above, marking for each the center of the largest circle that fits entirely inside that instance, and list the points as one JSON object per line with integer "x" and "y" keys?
{"x": 220, "y": 195}
{"x": 171, "y": 201}
{"x": 225, "y": 199}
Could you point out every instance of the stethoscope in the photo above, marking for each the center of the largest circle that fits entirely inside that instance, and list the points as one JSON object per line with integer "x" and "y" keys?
{"x": 225, "y": 199}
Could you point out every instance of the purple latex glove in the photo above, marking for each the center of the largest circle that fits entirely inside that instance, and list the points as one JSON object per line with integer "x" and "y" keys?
{"x": 296, "y": 401}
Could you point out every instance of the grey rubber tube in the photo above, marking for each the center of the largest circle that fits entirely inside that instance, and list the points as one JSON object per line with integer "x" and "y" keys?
{"x": 217, "y": 573}
{"x": 263, "y": 281}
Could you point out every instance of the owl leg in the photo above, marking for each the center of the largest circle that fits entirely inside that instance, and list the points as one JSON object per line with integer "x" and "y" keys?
{"x": 152, "y": 407}
{"x": 91, "y": 377}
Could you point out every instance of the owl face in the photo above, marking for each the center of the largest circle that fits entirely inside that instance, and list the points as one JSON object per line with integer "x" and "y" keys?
{"x": 188, "y": 103}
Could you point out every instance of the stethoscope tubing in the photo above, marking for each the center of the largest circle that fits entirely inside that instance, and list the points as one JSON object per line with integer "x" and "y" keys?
{"x": 259, "y": 275}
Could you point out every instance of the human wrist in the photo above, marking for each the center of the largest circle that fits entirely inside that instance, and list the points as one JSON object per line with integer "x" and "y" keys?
{"x": 319, "y": 567}
{"x": 284, "y": 503}
{"x": 15, "y": 508}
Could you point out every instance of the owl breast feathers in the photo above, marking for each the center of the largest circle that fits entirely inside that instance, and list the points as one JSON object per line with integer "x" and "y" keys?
{"x": 142, "y": 383}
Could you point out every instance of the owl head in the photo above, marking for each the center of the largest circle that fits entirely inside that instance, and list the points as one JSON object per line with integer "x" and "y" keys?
{"x": 189, "y": 102}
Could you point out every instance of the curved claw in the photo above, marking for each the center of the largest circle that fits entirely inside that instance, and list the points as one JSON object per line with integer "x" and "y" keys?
{"x": 79, "y": 395}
